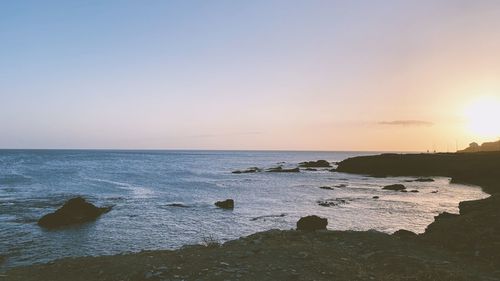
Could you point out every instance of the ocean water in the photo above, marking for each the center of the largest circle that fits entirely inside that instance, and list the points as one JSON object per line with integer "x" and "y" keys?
{"x": 141, "y": 185}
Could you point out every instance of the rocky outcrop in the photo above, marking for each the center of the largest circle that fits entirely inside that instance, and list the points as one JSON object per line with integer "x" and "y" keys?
{"x": 74, "y": 211}
{"x": 315, "y": 164}
{"x": 270, "y": 256}
{"x": 280, "y": 169}
{"x": 226, "y": 204}
{"x": 247, "y": 171}
{"x": 485, "y": 147}
{"x": 395, "y": 187}
{"x": 332, "y": 202}
{"x": 475, "y": 233}
{"x": 311, "y": 223}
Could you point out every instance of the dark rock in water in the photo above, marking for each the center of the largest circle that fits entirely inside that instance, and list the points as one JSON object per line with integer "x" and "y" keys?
{"x": 341, "y": 185}
{"x": 421, "y": 180}
{"x": 281, "y": 170}
{"x": 311, "y": 223}
{"x": 402, "y": 233}
{"x": 249, "y": 170}
{"x": 74, "y": 211}
{"x": 395, "y": 187}
{"x": 332, "y": 202}
{"x": 332, "y": 170}
{"x": 179, "y": 205}
{"x": 414, "y": 191}
{"x": 424, "y": 180}
{"x": 226, "y": 204}
{"x": 375, "y": 197}
{"x": 310, "y": 169}
{"x": 435, "y": 191}
{"x": 268, "y": 216}
{"x": 326, "y": 187}
{"x": 315, "y": 164}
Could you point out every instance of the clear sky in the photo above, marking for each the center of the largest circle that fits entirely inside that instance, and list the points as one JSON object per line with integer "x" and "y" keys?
{"x": 305, "y": 75}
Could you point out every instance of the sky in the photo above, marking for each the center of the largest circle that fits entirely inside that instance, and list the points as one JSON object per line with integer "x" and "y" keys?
{"x": 279, "y": 75}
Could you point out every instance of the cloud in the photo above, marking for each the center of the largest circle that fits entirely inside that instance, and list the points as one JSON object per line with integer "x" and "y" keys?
{"x": 225, "y": 135}
{"x": 407, "y": 123}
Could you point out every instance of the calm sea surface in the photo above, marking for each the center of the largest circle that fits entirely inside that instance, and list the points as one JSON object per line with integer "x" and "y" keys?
{"x": 142, "y": 184}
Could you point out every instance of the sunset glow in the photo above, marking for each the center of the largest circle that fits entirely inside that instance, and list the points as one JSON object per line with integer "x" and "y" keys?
{"x": 483, "y": 117}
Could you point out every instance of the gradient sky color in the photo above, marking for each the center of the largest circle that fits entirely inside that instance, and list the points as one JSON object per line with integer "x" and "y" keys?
{"x": 301, "y": 75}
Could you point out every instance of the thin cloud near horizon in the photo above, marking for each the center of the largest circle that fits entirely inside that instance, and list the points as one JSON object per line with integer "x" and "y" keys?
{"x": 413, "y": 123}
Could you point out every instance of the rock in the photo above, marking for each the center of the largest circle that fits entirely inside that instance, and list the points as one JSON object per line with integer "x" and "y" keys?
{"x": 2, "y": 259}
{"x": 74, "y": 211}
{"x": 280, "y": 169}
{"x": 375, "y": 197}
{"x": 326, "y": 187}
{"x": 341, "y": 185}
{"x": 179, "y": 205}
{"x": 414, "y": 191}
{"x": 249, "y": 170}
{"x": 403, "y": 233}
{"x": 332, "y": 170}
{"x": 311, "y": 223}
{"x": 315, "y": 164}
{"x": 424, "y": 180}
{"x": 395, "y": 187}
{"x": 226, "y": 204}
{"x": 435, "y": 191}
{"x": 332, "y": 202}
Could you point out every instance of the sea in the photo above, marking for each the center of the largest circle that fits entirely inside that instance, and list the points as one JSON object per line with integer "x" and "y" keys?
{"x": 165, "y": 199}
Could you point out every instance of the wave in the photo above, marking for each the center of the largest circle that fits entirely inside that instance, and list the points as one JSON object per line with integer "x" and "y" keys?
{"x": 139, "y": 191}
{"x": 14, "y": 179}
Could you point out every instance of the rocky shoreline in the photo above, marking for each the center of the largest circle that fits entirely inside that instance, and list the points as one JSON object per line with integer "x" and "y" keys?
{"x": 454, "y": 247}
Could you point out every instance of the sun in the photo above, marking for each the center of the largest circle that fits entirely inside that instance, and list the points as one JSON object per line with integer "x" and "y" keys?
{"x": 483, "y": 117}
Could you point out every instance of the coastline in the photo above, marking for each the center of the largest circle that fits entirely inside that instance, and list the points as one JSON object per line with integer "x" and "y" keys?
{"x": 454, "y": 247}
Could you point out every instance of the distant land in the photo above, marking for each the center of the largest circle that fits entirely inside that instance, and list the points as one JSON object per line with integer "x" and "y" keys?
{"x": 486, "y": 146}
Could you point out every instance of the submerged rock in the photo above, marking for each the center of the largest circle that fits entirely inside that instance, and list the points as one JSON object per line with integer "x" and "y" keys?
{"x": 311, "y": 223}
{"x": 179, "y": 205}
{"x": 74, "y": 211}
{"x": 332, "y": 202}
{"x": 375, "y": 197}
{"x": 226, "y": 204}
{"x": 326, "y": 187}
{"x": 424, "y": 180}
{"x": 281, "y": 170}
{"x": 395, "y": 187}
{"x": 249, "y": 170}
{"x": 315, "y": 164}
{"x": 268, "y": 216}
